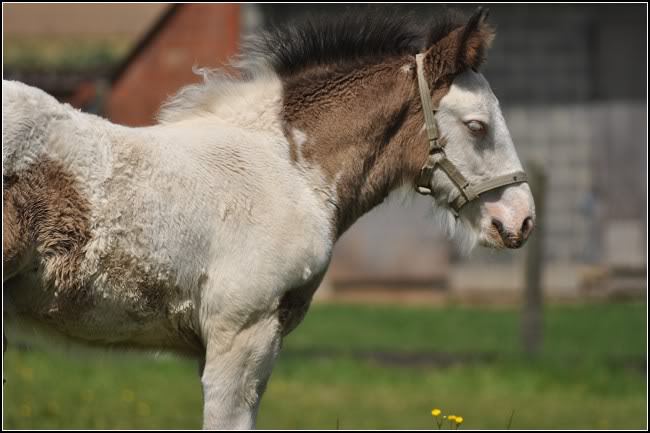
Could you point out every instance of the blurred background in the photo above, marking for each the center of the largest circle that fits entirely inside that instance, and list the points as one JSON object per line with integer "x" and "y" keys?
{"x": 550, "y": 336}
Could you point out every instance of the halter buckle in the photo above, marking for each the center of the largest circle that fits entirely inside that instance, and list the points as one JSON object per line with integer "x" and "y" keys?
{"x": 426, "y": 174}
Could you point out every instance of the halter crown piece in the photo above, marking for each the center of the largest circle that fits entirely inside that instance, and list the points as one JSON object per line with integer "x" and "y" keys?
{"x": 438, "y": 158}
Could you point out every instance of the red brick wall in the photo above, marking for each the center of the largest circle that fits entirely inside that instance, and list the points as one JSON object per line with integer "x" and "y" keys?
{"x": 197, "y": 34}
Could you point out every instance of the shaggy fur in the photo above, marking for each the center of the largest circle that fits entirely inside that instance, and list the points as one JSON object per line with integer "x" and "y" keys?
{"x": 43, "y": 208}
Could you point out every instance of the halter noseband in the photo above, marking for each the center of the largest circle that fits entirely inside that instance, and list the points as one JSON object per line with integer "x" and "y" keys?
{"x": 438, "y": 158}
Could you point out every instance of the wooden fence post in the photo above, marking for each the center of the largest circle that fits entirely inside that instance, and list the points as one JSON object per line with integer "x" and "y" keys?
{"x": 533, "y": 298}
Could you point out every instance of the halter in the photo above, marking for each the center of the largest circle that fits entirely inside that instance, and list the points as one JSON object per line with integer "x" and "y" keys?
{"x": 438, "y": 158}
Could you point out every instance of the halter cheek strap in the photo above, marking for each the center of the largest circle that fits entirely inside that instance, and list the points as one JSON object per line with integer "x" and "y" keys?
{"x": 438, "y": 158}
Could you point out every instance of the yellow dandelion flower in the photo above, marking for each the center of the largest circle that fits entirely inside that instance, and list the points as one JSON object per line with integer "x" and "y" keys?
{"x": 128, "y": 395}
{"x": 451, "y": 417}
{"x": 459, "y": 420}
{"x": 436, "y": 412}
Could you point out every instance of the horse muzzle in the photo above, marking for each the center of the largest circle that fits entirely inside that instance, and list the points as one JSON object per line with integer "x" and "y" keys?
{"x": 503, "y": 236}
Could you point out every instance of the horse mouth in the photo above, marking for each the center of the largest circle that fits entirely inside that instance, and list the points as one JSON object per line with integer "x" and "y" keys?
{"x": 491, "y": 238}
{"x": 491, "y": 243}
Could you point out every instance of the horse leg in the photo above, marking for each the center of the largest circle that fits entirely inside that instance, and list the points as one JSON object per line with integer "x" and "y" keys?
{"x": 235, "y": 373}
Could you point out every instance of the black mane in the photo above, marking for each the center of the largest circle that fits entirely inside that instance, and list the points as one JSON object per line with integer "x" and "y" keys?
{"x": 356, "y": 37}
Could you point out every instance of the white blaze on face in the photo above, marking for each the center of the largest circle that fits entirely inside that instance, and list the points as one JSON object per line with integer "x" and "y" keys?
{"x": 504, "y": 216}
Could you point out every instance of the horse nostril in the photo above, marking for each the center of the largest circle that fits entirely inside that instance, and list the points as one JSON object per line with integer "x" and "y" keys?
{"x": 510, "y": 239}
{"x": 527, "y": 228}
{"x": 498, "y": 225}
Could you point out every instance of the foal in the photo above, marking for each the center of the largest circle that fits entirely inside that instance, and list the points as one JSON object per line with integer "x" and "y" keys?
{"x": 208, "y": 233}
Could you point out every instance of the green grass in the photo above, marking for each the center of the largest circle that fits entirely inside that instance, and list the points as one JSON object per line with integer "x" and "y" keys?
{"x": 590, "y": 374}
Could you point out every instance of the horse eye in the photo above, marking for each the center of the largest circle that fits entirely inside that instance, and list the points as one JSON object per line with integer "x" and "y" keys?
{"x": 475, "y": 127}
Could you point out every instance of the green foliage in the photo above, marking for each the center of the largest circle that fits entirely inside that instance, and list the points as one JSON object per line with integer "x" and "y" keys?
{"x": 63, "y": 53}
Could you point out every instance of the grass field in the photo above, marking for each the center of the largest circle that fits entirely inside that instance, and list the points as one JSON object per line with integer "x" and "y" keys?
{"x": 335, "y": 368}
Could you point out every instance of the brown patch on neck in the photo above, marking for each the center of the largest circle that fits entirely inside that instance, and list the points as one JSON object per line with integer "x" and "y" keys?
{"x": 46, "y": 217}
{"x": 363, "y": 128}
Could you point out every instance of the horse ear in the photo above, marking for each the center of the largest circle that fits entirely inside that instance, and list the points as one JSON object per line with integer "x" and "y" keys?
{"x": 476, "y": 37}
{"x": 463, "y": 48}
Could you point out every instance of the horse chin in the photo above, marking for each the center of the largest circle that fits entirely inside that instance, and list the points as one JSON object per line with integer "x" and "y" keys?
{"x": 489, "y": 242}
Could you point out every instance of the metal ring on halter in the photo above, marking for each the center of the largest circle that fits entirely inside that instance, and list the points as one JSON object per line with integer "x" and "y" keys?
{"x": 438, "y": 158}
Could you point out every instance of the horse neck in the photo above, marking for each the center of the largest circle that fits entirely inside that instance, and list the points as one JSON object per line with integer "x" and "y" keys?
{"x": 363, "y": 128}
